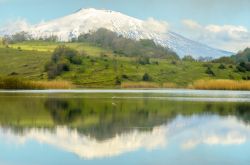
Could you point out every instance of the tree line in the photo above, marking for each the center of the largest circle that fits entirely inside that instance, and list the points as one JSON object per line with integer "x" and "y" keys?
{"x": 124, "y": 46}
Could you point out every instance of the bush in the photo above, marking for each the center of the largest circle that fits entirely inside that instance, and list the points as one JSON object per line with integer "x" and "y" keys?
{"x": 174, "y": 63}
{"x": 61, "y": 59}
{"x": 243, "y": 67}
{"x": 143, "y": 60}
{"x": 240, "y": 68}
{"x": 55, "y": 69}
{"x": 117, "y": 81}
{"x": 124, "y": 76}
{"x": 209, "y": 71}
{"x": 64, "y": 52}
{"x": 76, "y": 60}
{"x": 146, "y": 77}
{"x": 207, "y": 65}
{"x": 222, "y": 66}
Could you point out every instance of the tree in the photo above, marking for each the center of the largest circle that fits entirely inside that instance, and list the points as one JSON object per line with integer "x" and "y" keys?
{"x": 61, "y": 59}
{"x": 188, "y": 58}
{"x": 243, "y": 67}
{"x": 18, "y": 37}
{"x": 65, "y": 52}
{"x": 127, "y": 47}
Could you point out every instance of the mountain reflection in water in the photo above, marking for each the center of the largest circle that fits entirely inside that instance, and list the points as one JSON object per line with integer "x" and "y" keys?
{"x": 99, "y": 127}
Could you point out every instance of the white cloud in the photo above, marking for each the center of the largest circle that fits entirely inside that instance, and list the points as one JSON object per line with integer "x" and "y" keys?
{"x": 191, "y": 24}
{"x": 12, "y": 27}
{"x": 229, "y": 37}
{"x": 230, "y": 138}
{"x": 189, "y": 132}
{"x": 89, "y": 148}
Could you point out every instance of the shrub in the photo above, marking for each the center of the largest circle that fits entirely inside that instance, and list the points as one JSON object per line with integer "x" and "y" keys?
{"x": 55, "y": 69}
{"x": 222, "y": 66}
{"x": 207, "y": 65}
{"x": 174, "y": 63}
{"x": 241, "y": 68}
{"x": 124, "y": 76}
{"x": 60, "y": 61}
{"x": 209, "y": 71}
{"x": 76, "y": 60}
{"x": 117, "y": 81}
{"x": 146, "y": 77}
{"x": 63, "y": 51}
{"x": 143, "y": 60}
{"x": 156, "y": 62}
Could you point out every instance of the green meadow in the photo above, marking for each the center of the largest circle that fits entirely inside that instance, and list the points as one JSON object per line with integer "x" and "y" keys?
{"x": 102, "y": 68}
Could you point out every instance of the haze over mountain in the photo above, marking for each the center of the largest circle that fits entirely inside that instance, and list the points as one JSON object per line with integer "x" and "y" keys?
{"x": 89, "y": 20}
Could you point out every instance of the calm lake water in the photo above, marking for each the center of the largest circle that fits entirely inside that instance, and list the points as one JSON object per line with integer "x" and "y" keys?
{"x": 125, "y": 127}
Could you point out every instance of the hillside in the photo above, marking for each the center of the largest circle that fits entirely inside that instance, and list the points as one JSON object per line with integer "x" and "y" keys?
{"x": 89, "y": 20}
{"x": 103, "y": 68}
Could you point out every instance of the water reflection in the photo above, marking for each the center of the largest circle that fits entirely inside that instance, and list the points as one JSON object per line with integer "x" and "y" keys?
{"x": 211, "y": 131}
{"x": 99, "y": 127}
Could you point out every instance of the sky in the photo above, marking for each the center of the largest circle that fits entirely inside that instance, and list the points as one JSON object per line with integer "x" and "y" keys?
{"x": 222, "y": 24}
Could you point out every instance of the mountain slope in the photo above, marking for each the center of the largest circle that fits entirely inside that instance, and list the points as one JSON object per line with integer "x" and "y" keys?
{"x": 89, "y": 20}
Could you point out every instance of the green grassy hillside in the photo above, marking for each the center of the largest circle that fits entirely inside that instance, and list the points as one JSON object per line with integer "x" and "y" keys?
{"x": 103, "y": 68}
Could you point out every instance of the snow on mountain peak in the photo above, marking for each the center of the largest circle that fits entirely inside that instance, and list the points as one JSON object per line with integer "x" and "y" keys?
{"x": 89, "y": 20}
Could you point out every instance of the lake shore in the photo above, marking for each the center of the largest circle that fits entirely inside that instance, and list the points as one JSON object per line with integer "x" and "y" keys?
{"x": 219, "y": 84}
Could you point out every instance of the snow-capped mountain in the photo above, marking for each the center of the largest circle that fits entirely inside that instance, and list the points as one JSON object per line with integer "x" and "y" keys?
{"x": 89, "y": 20}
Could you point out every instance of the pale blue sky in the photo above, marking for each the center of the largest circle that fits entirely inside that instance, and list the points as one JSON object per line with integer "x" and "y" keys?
{"x": 195, "y": 12}
{"x": 205, "y": 11}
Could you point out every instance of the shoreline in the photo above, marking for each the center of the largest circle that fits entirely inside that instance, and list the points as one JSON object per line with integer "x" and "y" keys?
{"x": 120, "y": 90}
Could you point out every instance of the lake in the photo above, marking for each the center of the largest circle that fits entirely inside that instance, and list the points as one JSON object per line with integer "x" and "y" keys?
{"x": 125, "y": 127}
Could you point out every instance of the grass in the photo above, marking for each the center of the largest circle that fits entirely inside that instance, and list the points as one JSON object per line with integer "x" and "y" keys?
{"x": 15, "y": 83}
{"x": 169, "y": 85}
{"x": 139, "y": 85}
{"x": 43, "y": 46}
{"x": 147, "y": 85}
{"x": 221, "y": 85}
{"x": 98, "y": 71}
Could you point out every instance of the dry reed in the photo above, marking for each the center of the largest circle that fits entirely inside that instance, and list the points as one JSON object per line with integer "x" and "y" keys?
{"x": 51, "y": 84}
{"x": 15, "y": 83}
{"x": 221, "y": 84}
